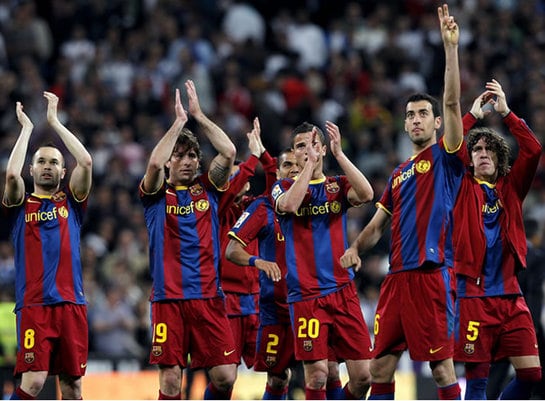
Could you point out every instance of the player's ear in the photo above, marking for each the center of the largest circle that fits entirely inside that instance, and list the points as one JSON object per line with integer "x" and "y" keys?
{"x": 438, "y": 121}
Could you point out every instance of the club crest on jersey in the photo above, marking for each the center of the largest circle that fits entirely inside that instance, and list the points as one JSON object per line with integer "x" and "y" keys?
{"x": 307, "y": 345}
{"x": 332, "y": 187}
{"x": 271, "y": 361}
{"x": 157, "y": 350}
{"x": 423, "y": 166}
{"x": 196, "y": 189}
{"x": 469, "y": 348}
{"x": 202, "y": 205}
{"x": 29, "y": 357}
{"x": 59, "y": 196}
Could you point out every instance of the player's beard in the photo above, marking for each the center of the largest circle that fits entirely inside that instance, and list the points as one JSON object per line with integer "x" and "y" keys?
{"x": 48, "y": 183}
{"x": 421, "y": 140}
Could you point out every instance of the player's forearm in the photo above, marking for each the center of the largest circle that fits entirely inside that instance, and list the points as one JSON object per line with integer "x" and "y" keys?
{"x": 236, "y": 254}
{"x": 163, "y": 150}
{"x": 290, "y": 201}
{"x": 217, "y": 137}
{"x": 366, "y": 240}
{"x": 17, "y": 157}
{"x": 451, "y": 99}
{"x": 73, "y": 144}
{"x": 373, "y": 231}
{"x": 15, "y": 186}
{"x": 361, "y": 188}
{"x": 160, "y": 154}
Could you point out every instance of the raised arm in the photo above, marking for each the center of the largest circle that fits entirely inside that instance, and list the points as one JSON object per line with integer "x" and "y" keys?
{"x": 14, "y": 189}
{"x": 290, "y": 201}
{"x": 361, "y": 190}
{"x": 155, "y": 170}
{"x": 452, "y": 114}
{"x": 81, "y": 177}
{"x": 221, "y": 165}
{"x": 258, "y": 149}
{"x": 530, "y": 149}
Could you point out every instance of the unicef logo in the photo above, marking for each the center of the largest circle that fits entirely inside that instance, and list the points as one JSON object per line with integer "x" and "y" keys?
{"x": 63, "y": 212}
{"x": 335, "y": 207}
{"x": 202, "y": 205}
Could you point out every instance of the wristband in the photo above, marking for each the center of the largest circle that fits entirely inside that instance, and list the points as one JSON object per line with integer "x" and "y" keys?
{"x": 251, "y": 261}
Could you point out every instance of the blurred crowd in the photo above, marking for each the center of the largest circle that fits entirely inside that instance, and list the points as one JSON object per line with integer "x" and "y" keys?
{"x": 116, "y": 63}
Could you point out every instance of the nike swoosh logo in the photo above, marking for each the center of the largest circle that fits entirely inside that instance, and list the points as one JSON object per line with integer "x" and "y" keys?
{"x": 33, "y": 201}
{"x": 83, "y": 365}
{"x": 168, "y": 191}
{"x": 433, "y": 351}
{"x": 227, "y": 353}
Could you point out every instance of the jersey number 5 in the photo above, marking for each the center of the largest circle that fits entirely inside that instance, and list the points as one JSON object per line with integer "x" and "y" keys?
{"x": 472, "y": 330}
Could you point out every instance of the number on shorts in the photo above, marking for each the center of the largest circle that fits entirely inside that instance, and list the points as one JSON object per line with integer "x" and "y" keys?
{"x": 272, "y": 343}
{"x": 159, "y": 333}
{"x": 29, "y": 339}
{"x": 308, "y": 328}
{"x": 473, "y": 330}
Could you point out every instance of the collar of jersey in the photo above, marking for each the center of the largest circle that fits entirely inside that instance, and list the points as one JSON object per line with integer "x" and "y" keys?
{"x": 488, "y": 184}
{"x": 41, "y": 196}
{"x": 317, "y": 180}
{"x": 178, "y": 187}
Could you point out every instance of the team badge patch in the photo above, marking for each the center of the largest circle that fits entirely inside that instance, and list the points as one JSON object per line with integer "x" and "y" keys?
{"x": 29, "y": 357}
{"x": 59, "y": 196}
{"x": 469, "y": 348}
{"x": 196, "y": 189}
{"x": 157, "y": 350}
{"x": 307, "y": 345}
{"x": 332, "y": 187}
{"x": 271, "y": 361}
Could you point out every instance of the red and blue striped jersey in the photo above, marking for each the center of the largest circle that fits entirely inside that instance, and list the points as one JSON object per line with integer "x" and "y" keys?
{"x": 259, "y": 222}
{"x": 183, "y": 231}
{"x": 419, "y": 198}
{"x": 46, "y": 237}
{"x": 316, "y": 238}
{"x": 242, "y": 280}
{"x": 499, "y": 271}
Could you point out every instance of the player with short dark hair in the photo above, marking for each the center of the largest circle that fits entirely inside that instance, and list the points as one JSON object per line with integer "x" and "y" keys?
{"x": 415, "y": 310}
{"x": 45, "y": 227}
{"x": 323, "y": 301}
